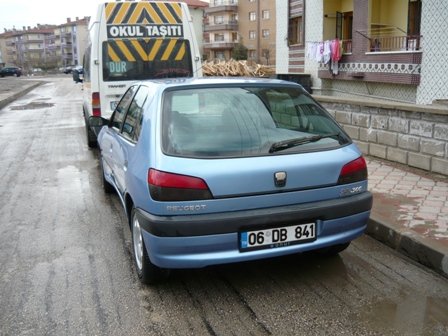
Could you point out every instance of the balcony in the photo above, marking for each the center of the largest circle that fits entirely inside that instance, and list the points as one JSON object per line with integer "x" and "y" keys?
{"x": 34, "y": 49}
{"x": 66, "y": 45}
{"x": 221, "y": 45}
{"x": 24, "y": 41}
{"x": 395, "y": 43}
{"x": 10, "y": 44}
{"x": 222, "y": 6}
{"x": 225, "y": 25}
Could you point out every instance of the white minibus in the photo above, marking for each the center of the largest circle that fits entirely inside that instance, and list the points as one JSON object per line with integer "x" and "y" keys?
{"x": 131, "y": 41}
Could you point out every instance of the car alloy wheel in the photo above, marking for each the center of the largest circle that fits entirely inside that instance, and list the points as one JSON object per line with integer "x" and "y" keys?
{"x": 147, "y": 272}
{"x": 137, "y": 242}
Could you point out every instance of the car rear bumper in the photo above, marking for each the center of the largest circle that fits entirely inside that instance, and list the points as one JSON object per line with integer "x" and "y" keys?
{"x": 202, "y": 251}
{"x": 196, "y": 241}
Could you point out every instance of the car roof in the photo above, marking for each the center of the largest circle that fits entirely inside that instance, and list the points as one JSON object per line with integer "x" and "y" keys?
{"x": 166, "y": 83}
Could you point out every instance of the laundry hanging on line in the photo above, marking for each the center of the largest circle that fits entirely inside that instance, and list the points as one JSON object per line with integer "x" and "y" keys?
{"x": 327, "y": 52}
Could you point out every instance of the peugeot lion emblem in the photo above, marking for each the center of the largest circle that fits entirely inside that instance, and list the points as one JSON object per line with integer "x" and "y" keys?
{"x": 280, "y": 179}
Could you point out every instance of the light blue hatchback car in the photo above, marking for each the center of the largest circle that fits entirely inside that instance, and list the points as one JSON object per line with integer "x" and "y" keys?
{"x": 223, "y": 170}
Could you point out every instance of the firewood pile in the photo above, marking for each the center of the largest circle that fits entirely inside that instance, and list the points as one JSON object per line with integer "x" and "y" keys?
{"x": 235, "y": 68}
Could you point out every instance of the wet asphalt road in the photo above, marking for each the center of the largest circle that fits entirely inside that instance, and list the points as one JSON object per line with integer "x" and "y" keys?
{"x": 66, "y": 263}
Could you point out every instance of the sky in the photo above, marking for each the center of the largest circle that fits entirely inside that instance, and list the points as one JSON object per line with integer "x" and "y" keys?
{"x": 19, "y": 13}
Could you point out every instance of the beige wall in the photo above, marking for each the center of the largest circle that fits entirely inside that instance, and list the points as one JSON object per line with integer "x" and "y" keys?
{"x": 330, "y": 9}
{"x": 389, "y": 13}
{"x": 245, "y": 26}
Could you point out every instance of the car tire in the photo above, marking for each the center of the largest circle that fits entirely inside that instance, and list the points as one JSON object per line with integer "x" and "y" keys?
{"x": 333, "y": 250}
{"x": 147, "y": 272}
{"x": 91, "y": 137}
{"x": 15, "y": 75}
{"x": 107, "y": 187}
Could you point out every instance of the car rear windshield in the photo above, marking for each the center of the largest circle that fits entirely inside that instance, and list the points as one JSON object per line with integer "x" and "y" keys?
{"x": 245, "y": 121}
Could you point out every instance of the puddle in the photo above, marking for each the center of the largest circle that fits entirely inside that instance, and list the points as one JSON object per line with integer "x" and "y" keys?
{"x": 32, "y": 106}
{"x": 414, "y": 315}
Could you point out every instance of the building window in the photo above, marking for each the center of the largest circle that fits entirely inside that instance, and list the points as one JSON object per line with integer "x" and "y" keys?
{"x": 219, "y": 54}
{"x": 252, "y": 16}
{"x": 265, "y": 33}
{"x": 252, "y": 35}
{"x": 219, "y": 37}
{"x": 265, "y": 14}
{"x": 251, "y": 0}
{"x": 252, "y": 54}
{"x": 218, "y": 2}
{"x": 219, "y": 19}
{"x": 295, "y": 31}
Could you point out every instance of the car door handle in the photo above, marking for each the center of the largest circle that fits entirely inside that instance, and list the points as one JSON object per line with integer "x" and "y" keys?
{"x": 125, "y": 165}
{"x": 111, "y": 147}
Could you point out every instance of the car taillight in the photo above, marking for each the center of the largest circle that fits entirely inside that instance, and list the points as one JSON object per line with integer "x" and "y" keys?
{"x": 173, "y": 187}
{"x": 353, "y": 171}
{"x": 96, "y": 106}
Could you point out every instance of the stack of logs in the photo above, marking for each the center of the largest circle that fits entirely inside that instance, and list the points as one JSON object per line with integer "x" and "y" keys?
{"x": 235, "y": 68}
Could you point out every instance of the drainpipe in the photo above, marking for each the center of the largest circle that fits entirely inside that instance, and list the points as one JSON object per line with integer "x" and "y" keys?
{"x": 258, "y": 33}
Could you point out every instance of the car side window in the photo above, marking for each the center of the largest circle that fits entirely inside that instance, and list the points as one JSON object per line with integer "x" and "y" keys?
{"x": 120, "y": 110}
{"x": 134, "y": 117}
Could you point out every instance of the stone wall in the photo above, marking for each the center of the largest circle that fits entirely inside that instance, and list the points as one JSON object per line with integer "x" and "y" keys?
{"x": 415, "y": 135}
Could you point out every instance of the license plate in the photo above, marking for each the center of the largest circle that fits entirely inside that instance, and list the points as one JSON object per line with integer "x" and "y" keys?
{"x": 113, "y": 105}
{"x": 277, "y": 237}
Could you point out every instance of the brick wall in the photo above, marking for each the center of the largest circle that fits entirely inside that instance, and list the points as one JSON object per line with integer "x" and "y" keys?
{"x": 414, "y": 135}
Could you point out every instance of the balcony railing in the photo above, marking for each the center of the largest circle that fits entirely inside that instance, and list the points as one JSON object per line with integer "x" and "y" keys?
{"x": 395, "y": 43}
{"x": 347, "y": 46}
{"x": 32, "y": 41}
{"x": 222, "y": 6}
{"x": 225, "y": 44}
{"x": 34, "y": 49}
{"x": 214, "y": 3}
{"x": 224, "y": 25}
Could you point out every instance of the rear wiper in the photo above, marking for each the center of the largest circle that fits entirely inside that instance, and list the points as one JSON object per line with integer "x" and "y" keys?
{"x": 281, "y": 145}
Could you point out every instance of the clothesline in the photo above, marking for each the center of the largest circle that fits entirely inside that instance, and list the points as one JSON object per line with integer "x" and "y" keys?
{"x": 327, "y": 52}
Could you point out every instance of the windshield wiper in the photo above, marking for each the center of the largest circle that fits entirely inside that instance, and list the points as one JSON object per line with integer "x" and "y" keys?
{"x": 281, "y": 145}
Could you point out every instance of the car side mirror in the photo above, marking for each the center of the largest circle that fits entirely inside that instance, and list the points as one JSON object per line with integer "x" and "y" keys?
{"x": 97, "y": 121}
{"x": 76, "y": 77}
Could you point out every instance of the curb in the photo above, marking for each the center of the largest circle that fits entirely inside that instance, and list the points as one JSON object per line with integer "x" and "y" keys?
{"x": 17, "y": 95}
{"x": 425, "y": 251}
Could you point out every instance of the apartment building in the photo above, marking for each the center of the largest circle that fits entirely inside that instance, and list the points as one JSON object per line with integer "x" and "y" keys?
{"x": 249, "y": 22}
{"x": 44, "y": 46}
{"x": 67, "y": 43}
{"x": 27, "y": 48}
{"x": 390, "y": 49}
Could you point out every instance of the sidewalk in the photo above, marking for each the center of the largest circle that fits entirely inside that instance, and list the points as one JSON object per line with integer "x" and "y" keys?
{"x": 12, "y": 88}
{"x": 410, "y": 207}
{"x": 410, "y": 212}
